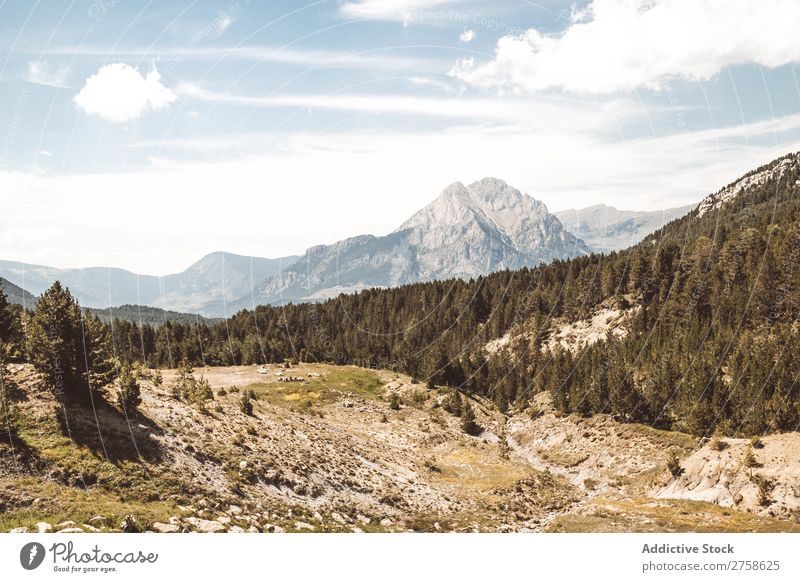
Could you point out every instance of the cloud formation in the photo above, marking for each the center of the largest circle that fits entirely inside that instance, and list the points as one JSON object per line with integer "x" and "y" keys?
{"x": 403, "y": 10}
{"x": 43, "y": 73}
{"x": 623, "y": 45}
{"x": 119, "y": 93}
{"x": 467, "y": 36}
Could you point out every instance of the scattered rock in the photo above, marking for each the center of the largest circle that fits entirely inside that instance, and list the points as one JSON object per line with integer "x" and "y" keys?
{"x": 235, "y": 529}
{"x": 337, "y": 517}
{"x": 235, "y": 510}
{"x": 224, "y": 519}
{"x": 165, "y": 528}
{"x": 18, "y": 530}
{"x": 43, "y": 527}
{"x": 130, "y": 524}
{"x": 304, "y": 525}
{"x": 100, "y": 521}
{"x": 70, "y": 530}
{"x": 205, "y": 525}
{"x": 64, "y": 524}
{"x": 386, "y": 522}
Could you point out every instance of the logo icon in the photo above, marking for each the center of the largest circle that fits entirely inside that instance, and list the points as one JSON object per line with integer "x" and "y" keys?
{"x": 31, "y": 555}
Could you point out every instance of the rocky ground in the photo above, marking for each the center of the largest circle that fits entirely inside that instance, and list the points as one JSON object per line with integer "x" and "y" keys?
{"x": 331, "y": 454}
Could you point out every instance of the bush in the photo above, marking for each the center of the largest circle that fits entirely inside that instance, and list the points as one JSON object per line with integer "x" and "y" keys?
{"x": 756, "y": 442}
{"x": 717, "y": 444}
{"x": 765, "y": 487}
{"x": 452, "y": 403}
{"x": 188, "y": 388}
{"x": 674, "y": 464}
{"x": 128, "y": 391}
{"x": 246, "y": 405}
{"x": 158, "y": 378}
{"x": 419, "y": 397}
{"x": 394, "y": 402}
{"x": 749, "y": 460}
{"x": 468, "y": 424}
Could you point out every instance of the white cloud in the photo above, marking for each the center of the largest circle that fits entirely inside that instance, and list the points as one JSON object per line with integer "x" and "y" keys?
{"x": 403, "y": 10}
{"x": 467, "y": 36}
{"x": 622, "y": 45}
{"x": 43, "y": 73}
{"x": 222, "y": 23}
{"x": 119, "y": 93}
{"x": 373, "y": 59}
{"x": 564, "y": 113}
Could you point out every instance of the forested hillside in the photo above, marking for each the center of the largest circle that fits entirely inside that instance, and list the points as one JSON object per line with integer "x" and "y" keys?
{"x": 711, "y": 344}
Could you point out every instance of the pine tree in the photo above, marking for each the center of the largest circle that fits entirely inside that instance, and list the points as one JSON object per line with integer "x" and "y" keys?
{"x": 468, "y": 424}
{"x": 128, "y": 391}
{"x": 73, "y": 353}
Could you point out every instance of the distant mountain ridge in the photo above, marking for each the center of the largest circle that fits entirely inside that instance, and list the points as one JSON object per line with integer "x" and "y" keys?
{"x": 204, "y": 288}
{"x": 466, "y": 232}
{"x": 605, "y": 228}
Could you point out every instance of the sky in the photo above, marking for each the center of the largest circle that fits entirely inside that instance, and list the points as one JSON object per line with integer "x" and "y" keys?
{"x": 144, "y": 135}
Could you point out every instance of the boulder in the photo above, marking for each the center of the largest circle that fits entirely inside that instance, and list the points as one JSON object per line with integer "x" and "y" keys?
{"x": 43, "y": 527}
{"x": 70, "y": 530}
{"x": 100, "y": 521}
{"x": 19, "y": 530}
{"x": 205, "y": 525}
{"x": 165, "y": 527}
{"x": 337, "y": 517}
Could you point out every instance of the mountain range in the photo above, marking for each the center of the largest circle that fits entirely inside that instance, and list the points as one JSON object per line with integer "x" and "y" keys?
{"x": 467, "y": 231}
{"x": 605, "y": 228}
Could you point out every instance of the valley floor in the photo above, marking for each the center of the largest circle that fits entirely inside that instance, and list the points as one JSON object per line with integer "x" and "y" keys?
{"x": 330, "y": 454}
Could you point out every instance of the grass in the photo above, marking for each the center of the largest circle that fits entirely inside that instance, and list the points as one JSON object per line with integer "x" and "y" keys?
{"x": 65, "y": 503}
{"x": 642, "y": 515}
{"x": 479, "y": 469}
{"x": 78, "y": 482}
{"x": 327, "y": 389}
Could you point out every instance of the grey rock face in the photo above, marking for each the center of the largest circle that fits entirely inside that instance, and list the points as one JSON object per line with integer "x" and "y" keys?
{"x": 467, "y": 231}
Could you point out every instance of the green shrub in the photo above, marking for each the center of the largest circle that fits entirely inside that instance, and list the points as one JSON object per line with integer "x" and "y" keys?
{"x": 674, "y": 464}
{"x": 452, "y": 403}
{"x": 394, "y": 402}
{"x": 468, "y": 424}
{"x": 128, "y": 392}
{"x": 749, "y": 460}
{"x": 717, "y": 444}
{"x": 246, "y": 405}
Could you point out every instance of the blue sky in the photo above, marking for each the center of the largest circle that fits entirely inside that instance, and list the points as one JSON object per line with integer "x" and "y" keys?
{"x": 144, "y": 135}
